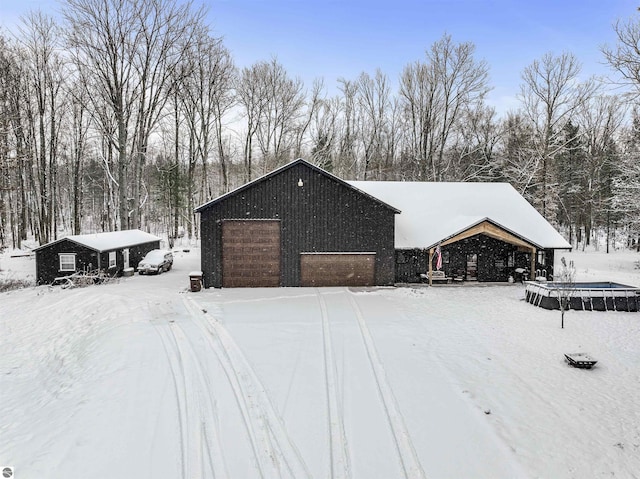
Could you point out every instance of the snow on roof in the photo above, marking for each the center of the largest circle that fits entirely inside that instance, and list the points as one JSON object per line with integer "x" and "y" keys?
{"x": 433, "y": 212}
{"x": 112, "y": 239}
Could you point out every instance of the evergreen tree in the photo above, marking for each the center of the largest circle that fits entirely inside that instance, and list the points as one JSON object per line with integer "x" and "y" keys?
{"x": 626, "y": 186}
{"x": 571, "y": 182}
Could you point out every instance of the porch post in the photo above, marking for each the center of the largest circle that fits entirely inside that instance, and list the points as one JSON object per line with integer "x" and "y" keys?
{"x": 532, "y": 273}
{"x": 431, "y": 267}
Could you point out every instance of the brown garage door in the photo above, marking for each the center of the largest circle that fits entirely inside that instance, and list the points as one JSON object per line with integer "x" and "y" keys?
{"x": 250, "y": 253}
{"x": 337, "y": 269}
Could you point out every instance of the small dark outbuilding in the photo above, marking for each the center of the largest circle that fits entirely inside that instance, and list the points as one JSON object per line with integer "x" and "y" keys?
{"x": 110, "y": 252}
{"x": 297, "y": 226}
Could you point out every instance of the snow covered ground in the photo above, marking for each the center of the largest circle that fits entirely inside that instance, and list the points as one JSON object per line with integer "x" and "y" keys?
{"x": 144, "y": 379}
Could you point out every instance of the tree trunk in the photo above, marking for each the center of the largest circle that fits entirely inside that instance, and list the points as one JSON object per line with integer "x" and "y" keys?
{"x": 122, "y": 175}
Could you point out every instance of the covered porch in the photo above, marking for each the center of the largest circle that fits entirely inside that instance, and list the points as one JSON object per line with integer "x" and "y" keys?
{"x": 484, "y": 252}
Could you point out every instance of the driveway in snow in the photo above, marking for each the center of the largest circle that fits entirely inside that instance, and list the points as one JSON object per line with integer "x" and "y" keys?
{"x": 143, "y": 378}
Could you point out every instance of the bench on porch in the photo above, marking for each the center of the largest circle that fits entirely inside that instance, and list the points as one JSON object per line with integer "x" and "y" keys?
{"x": 436, "y": 277}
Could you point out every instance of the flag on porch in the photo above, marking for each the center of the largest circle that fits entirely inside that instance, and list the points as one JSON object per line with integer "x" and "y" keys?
{"x": 438, "y": 258}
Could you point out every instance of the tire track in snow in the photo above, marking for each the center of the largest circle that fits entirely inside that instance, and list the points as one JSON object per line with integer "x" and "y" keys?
{"x": 338, "y": 450}
{"x": 404, "y": 446}
{"x": 179, "y": 388}
{"x": 262, "y": 456}
{"x": 208, "y": 453}
{"x": 276, "y": 455}
{"x": 201, "y": 453}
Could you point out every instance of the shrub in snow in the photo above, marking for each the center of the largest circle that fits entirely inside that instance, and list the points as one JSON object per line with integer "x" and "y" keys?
{"x": 10, "y": 284}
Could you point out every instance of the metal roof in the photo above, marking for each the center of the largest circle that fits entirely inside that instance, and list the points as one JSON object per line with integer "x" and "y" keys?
{"x": 108, "y": 241}
{"x": 433, "y": 212}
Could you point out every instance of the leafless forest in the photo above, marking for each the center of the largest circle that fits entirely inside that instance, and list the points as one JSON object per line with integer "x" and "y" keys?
{"x": 130, "y": 113}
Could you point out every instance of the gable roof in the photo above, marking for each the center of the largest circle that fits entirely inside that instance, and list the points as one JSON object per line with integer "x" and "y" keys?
{"x": 435, "y": 212}
{"x": 109, "y": 241}
{"x": 289, "y": 165}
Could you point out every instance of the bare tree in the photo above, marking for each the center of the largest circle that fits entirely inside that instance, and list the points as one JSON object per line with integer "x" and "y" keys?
{"x": 472, "y": 155}
{"x": 272, "y": 105}
{"x": 601, "y": 119}
{"x": 78, "y": 144}
{"x": 251, "y": 94}
{"x": 464, "y": 82}
{"x": 624, "y": 57}
{"x": 204, "y": 96}
{"x": 223, "y": 100}
{"x": 46, "y": 74}
{"x": 393, "y": 140}
{"x": 127, "y": 52}
{"x": 167, "y": 29}
{"x": 324, "y": 133}
{"x": 104, "y": 38}
{"x": 6, "y": 144}
{"x": 435, "y": 95}
{"x": 373, "y": 100}
{"x": 80, "y": 122}
{"x": 348, "y": 129}
{"x": 312, "y": 105}
{"x": 284, "y": 102}
{"x": 14, "y": 156}
{"x": 565, "y": 280}
{"x": 550, "y": 95}
{"x": 519, "y": 165}
{"x": 419, "y": 100}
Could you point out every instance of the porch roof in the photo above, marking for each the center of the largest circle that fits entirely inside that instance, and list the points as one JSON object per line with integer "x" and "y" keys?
{"x": 435, "y": 212}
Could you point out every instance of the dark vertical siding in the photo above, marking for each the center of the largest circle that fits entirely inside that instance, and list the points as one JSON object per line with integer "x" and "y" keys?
{"x": 137, "y": 252}
{"x": 211, "y": 248}
{"x": 48, "y": 263}
{"x": 47, "y": 258}
{"x": 410, "y": 263}
{"x": 547, "y": 267}
{"x": 323, "y": 215}
{"x": 493, "y": 264}
{"x": 492, "y": 257}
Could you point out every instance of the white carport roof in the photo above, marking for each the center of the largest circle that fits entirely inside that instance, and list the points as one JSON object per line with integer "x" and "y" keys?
{"x": 110, "y": 240}
{"x": 434, "y": 212}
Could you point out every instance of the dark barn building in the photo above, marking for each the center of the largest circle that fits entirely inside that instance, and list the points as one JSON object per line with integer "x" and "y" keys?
{"x": 302, "y": 226}
{"x": 297, "y": 226}
{"x": 110, "y": 252}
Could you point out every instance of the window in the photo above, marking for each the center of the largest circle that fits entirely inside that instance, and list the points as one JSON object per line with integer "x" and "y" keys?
{"x": 112, "y": 259}
{"x": 445, "y": 257}
{"x": 67, "y": 261}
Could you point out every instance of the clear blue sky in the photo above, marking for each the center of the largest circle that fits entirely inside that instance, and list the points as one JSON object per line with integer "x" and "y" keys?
{"x": 333, "y": 38}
